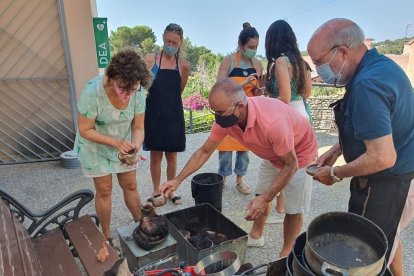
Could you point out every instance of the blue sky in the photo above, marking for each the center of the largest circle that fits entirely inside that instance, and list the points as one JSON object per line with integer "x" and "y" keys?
{"x": 216, "y": 24}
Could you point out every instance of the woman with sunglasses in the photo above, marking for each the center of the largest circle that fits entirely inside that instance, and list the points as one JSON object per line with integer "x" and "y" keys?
{"x": 244, "y": 68}
{"x": 164, "y": 116}
{"x": 111, "y": 124}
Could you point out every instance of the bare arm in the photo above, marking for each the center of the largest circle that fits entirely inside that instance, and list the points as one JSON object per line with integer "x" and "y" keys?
{"x": 379, "y": 155}
{"x": 282, "y": 76}
{"x": 87, "y": 130}
{"x": 260, "y": 88}
{"x": 193, "y": 164}
{"x": 307, "y": 88}
{"x": 185, "y": 72}
{"x": 329, "y": 158}
{"x": 198, "y": 159}
{"x": 290, "y": 166}
{"x": 149, "y": 60}
{"x": 224, "y": 68}
{"x": 258, "y": 66}
{"x": 137, "y": 132}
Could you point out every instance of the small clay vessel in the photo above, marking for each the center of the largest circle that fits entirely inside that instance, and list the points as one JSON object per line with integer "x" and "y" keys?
{"x": 148, "y": 210}
{"x": 130, "y": 158}
{"x": 158, "y": 200}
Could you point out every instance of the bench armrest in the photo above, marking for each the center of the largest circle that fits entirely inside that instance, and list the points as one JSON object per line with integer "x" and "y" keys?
{"x": 59, "y": 214}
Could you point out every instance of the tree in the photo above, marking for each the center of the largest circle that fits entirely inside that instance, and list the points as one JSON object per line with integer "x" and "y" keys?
{"x": 132, "y": 37}
{"x": 149, "y": 46}
{"x": 205, "y": 76}
{"x": 192, "y": 53}
{"x": 395, "y": 47}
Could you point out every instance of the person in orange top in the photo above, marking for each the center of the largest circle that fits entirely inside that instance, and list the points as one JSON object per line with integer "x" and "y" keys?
{"x": 244, "y": 68}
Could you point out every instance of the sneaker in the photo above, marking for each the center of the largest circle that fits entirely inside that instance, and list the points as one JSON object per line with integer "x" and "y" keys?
{"x": 255, "y": 243}
{"x": 243, "y": 188}
{"x": 275, "y": 217}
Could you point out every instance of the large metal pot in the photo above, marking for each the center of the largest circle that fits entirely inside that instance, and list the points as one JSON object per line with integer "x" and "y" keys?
{"x": 342, "y": 243}
{"x": 299, "y": 267}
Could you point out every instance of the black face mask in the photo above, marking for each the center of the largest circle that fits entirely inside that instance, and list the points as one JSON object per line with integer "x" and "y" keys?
{"x": 226, "y": 121}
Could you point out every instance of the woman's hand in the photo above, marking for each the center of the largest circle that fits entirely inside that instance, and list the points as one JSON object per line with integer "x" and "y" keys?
{"x": 262, "y": 80}
{"x": 124, "y": 146}
{"x": 249, "y": 79}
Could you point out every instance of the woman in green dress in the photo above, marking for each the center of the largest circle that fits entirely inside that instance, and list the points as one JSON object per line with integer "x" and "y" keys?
{"x": 111, "y": 123}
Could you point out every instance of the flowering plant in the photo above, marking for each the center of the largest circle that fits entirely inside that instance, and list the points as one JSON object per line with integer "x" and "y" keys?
{"x": 195, "y": 102}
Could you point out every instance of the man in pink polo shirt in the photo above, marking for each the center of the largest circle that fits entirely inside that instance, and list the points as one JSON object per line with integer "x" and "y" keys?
{"x": 273, "y": 131}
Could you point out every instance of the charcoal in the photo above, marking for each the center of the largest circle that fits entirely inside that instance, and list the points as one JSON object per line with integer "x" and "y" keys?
{"x": 206, "y": 239}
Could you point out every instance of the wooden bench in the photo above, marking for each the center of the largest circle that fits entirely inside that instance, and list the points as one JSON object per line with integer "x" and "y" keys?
{"x": 56, "y": 242}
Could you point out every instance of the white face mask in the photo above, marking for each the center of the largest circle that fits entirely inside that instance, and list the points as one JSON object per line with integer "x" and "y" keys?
{"x": 328, "y": 76}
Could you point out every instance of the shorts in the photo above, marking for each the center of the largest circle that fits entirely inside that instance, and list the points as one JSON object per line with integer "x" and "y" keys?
{"x": 406, "y": 217}
{"x": 296, "y": 194}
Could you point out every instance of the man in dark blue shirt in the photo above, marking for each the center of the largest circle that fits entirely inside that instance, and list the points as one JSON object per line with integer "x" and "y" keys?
{"x": 375, "y": 122}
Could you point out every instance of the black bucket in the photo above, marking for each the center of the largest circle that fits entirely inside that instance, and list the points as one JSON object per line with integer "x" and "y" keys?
{"x": 208, "y": 188}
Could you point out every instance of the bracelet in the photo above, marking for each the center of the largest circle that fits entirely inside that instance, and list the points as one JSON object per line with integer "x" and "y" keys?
{"x": 333, "y": 176}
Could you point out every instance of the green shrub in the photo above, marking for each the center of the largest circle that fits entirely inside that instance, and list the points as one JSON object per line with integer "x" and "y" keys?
{"x": 326, "y": 91}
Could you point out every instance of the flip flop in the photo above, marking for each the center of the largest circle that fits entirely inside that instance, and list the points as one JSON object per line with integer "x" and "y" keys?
{"x": 176, "y": 200}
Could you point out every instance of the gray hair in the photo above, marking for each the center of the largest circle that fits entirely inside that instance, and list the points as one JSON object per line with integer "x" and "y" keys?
{"x": 231, "y": 89}
{"x": 343, "y": 31}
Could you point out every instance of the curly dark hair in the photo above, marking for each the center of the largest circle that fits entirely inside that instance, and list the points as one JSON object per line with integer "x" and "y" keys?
{"x": 127, "y": 68}
{"x": 280, "y": 39}
{"x": 247, "y": 33}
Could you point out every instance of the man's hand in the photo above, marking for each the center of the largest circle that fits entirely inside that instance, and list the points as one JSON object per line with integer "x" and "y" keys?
{"x": 323, "y": 175}
{"x": 169, "y": 187}
{"x": 256, "y": 208}
{"x": 328, "y": 158}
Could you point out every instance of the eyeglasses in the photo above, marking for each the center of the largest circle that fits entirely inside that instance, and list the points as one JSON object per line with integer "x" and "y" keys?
{"x": 318, "y": 61}
{"x": 220, "y": 113}
{"x": 135, "y": 88}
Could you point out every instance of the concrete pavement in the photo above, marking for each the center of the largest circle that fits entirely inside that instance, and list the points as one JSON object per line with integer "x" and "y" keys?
{"x": 40, "y": 185}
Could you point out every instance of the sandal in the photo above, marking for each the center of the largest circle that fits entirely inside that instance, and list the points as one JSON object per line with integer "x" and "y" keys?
{"x": 175, "y": 199}
{"x": 243, "y": 187}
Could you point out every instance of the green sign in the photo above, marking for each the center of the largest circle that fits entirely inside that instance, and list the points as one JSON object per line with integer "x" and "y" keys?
{"x": 101, "y": 41}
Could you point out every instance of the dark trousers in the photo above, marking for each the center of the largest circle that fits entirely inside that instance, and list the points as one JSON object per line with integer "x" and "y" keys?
{"x": 381, "y": 199}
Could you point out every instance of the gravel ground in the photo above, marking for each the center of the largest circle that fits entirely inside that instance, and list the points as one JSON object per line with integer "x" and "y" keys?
{"x": 40, "y": 185}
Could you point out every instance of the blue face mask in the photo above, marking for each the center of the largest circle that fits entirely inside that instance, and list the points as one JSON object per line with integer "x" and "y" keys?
{"x": 327, "y": 75}
{"x": 169, "y": 50}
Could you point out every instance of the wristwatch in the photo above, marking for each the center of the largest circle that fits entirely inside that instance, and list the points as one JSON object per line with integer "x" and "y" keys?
{"x": 333, "y": 176}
